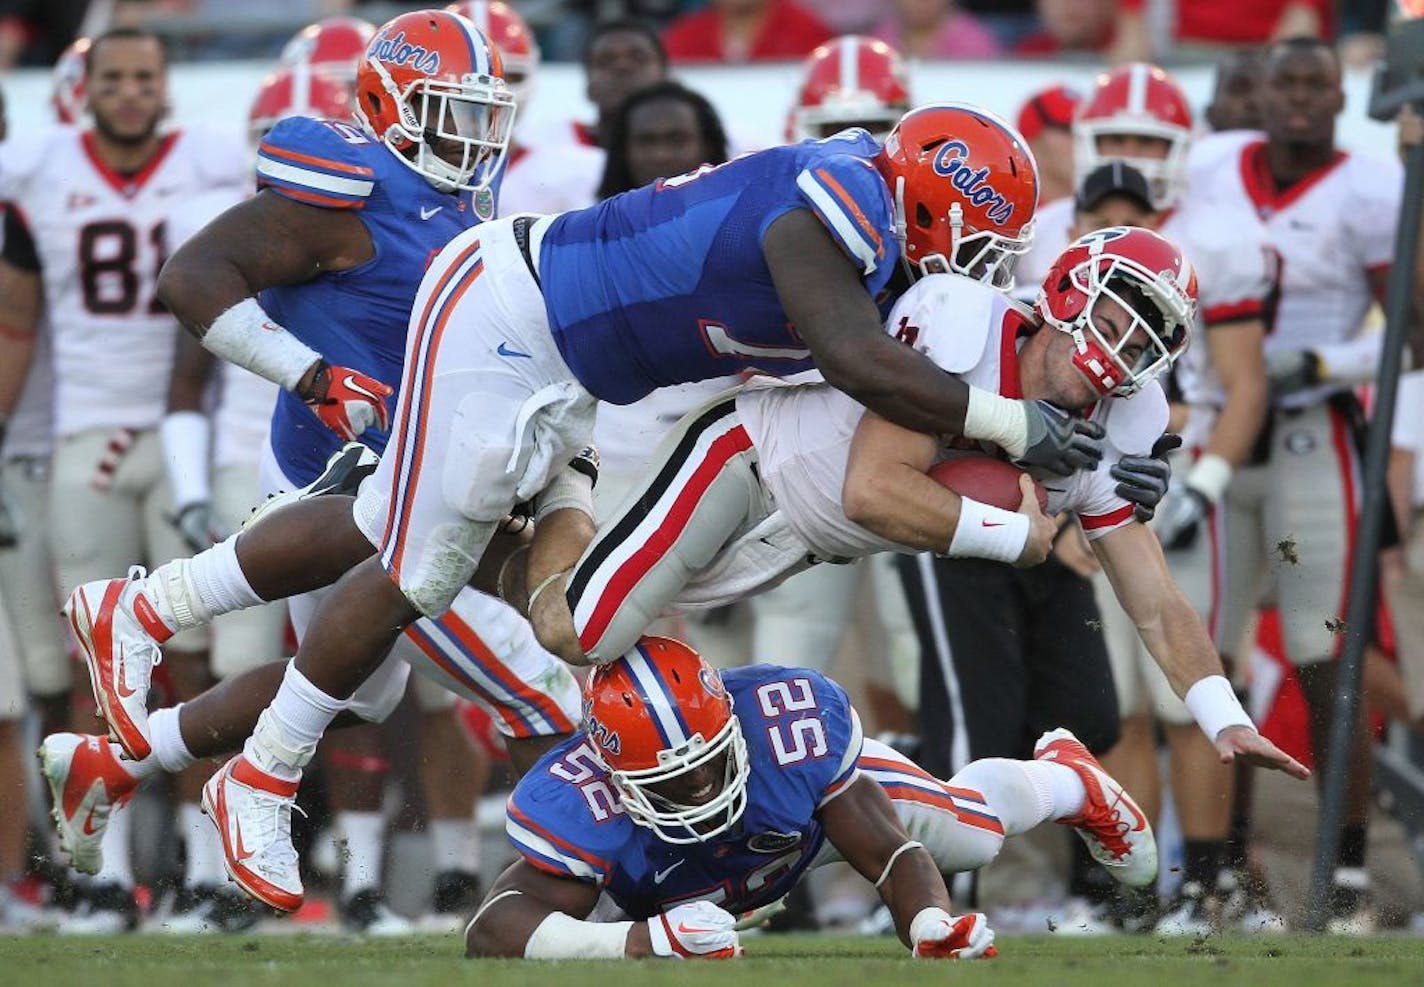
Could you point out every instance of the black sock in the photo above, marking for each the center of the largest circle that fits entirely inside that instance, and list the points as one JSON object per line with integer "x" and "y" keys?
{"x": 1352, "y": 847}
{"x": 1233, "y": 855}
{"x": 1203, "y": 860}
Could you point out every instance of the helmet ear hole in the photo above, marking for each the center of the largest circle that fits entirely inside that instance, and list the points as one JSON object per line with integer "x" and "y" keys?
{"x": 923, "y": 219}
{"x": 373, "y": 104}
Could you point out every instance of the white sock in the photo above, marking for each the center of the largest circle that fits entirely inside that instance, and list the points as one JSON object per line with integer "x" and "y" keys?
{"x": 191, "y": 592}
{"x": 1023, "y": 794}
{"x": 204, "y": 851}
{"x": 288, "y": 730}
{"x": 455, "y": 845}
{"x": 170, "y": 753}
{"x": 118, "y": 867}
{"x": 364, "y": 835}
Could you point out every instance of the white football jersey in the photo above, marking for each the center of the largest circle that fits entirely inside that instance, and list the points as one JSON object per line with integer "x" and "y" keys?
{"x": 101, "y": 239}
{"x": 803, "y": 432}
{"x": 550, "y": 178}
{"x": 29, "y": 433}
{"x": 1331, "y": 230}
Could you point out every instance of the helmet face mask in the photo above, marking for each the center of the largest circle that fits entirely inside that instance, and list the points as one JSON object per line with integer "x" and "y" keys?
{"x": 1137, "y": 100}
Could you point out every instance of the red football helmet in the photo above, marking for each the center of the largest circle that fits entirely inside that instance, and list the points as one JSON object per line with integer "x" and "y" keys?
{"x": 296, "y": 92}
{"x": 67, "y": 78}
{"x": 655, "y": 714}
{"x": 1138, "y": 100}
{"x": 331, "y": 46}
{"x": 965, "y": 187}
{"x": 429, "y": 82}
{"x": 1149, "y": 277}
{"x": 850, "y": 81}
{"x": 517, "y": 47}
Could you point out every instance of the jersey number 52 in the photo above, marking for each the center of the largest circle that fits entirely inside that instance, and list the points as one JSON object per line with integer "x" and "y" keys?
{"x": 796, "y": 738}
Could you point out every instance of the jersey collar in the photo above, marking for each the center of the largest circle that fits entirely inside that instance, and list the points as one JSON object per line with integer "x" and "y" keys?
{"x": 1261, "y": 185}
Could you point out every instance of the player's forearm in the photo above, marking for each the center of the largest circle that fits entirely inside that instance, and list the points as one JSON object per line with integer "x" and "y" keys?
{"x": 902, "y": 505}
{"x": 1179, "y": 643}
{"x": 17, "y": 351}
{"x": 1243, "y": 414}
{"x": 914, "y": 884}
{"x": 896, "y": 383}
{"x": 524, "y": 929}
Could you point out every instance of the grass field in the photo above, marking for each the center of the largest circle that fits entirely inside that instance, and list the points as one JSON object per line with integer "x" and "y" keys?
{"x": 779, "y": 961}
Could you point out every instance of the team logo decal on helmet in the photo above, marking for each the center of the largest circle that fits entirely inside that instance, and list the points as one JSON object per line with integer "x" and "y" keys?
{"x": 398, "y": 51}
{"x": 952, "y": 161}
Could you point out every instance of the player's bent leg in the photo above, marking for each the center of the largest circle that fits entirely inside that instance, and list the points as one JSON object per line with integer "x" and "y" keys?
{"x": 700, "y": 496}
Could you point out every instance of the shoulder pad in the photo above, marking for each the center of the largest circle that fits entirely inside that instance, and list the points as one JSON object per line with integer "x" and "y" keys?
{"x": 848, "y": 195}
{"x": 319, "y": 162}
{"x": 1134, "y": 424}
{"x": 949, "y": 318}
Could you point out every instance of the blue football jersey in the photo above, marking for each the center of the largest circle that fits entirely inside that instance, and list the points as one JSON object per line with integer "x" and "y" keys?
{"x": 803, "y": 740}
{"x": 354, "y": 318}
{"x": 667, "y": 283}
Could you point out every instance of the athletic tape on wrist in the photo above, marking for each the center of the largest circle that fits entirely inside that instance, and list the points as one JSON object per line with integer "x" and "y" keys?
{"x": 1002, "y": 421}
{"x": 927, "y": 916}
{"x": 187, "y": 437}
{"x": 1213, "y": 704}
{"x": 563, "y": 937}
{"x": 986, "y": 532}
{"x": 247, "y": 336}
{"x": 1209, "y": 476}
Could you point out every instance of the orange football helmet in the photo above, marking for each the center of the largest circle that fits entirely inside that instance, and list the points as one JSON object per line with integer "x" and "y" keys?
{"x": 517, "y": 46}
{"x": 429, "y": 83}
{"x": 1139, "y": 100}
{"x": 655, "y": 714}
{"x": 965, "y": 187}
{"x": 850, "y": 81}
{"x": 289, "y": 92}
{"x": 1149, "y": 277}
{"x": 67, "y": 81}
{"x": 331, "y": 46}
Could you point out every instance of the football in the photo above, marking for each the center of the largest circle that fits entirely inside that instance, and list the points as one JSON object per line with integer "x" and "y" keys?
{"x": 985, "y": 479}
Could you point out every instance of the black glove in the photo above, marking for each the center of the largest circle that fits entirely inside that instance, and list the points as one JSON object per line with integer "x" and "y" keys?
{"x": 1143, "y": 480}
{"x": 9, "y": 521}
{"x": 1181, "y": 516}
{"x": 199, "y": 528}
{"x": 1288, "y": 371}
{"x": 1059, "y": 442}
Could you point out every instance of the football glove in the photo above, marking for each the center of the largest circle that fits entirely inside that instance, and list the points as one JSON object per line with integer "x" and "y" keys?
{"x": 936, "y": 934}
{"x": 1289, "y": 371}
{"x": 1183, "y": 510}
{"x": 1059, "y": 442}
{"x": 198, "y": 527}
{"x": 696, "y": 930}
{"x": 348, "y": 402}
{"x": 9, "y": 521}
{"x": 1144, "y": 480}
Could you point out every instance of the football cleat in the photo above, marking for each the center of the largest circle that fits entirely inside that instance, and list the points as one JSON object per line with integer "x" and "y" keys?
{"x": 1192, "y": 912}
{"x": 1115, "y": 829}
{"x": 119, "y": 633}
{"x": 86, "y": 781}
{"x": 366, "y": 913}
{"x": 253, "y": 813}
{"x": 342, "y": 477}
{"x": 106, "y": 909}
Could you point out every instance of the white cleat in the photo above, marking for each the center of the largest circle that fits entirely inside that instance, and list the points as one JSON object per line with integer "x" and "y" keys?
{"x": 253, "y": 813}
{"x": 86, "y": 781}
{"x": 119, "y": 633}
{"x": 1115, "y": 829}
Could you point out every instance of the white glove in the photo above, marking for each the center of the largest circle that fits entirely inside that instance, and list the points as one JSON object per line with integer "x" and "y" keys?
{"x": 936, "y": 934}
{"x": 199, "y": 527}
{"x": 696, "y": 930}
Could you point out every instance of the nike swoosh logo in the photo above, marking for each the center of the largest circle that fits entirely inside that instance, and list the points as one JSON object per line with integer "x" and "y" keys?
{"x": 992, "y": 524}
{"x": 693, "y": 930}
{"x": 661, "y": 875}
{"x": 241, "y": 852}
{"x": 351, "y": 384}
{"x": 88, "y": 827}
{"x": 503, "y": 350}
{"x": 120, "y": 686}
{"x": 427, "y": 213}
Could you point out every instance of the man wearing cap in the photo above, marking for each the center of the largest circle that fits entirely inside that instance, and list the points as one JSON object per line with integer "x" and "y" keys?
{"x": 1045, "y": 120}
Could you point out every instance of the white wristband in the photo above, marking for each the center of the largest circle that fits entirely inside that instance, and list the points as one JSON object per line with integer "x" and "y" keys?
{"x": 1213, "y": 704}
{"x": 1209, "y": 476}
{"x": 247, "y": 336}
{"x": 986, "y": 532}
{"x": 563, "y": 937}
{"x": 1001, "y": 421}
{"x": 186, "y": 437}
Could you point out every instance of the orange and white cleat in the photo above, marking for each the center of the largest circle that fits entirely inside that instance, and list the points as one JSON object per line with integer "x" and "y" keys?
{"x": 1115, "y": 829}
{"x": 253, "y": 813}
{"x": 86, "y": 781}
{"x": 119, "y": 634}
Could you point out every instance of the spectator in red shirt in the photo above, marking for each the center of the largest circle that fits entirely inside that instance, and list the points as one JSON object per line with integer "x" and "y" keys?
{"x": 745, "y": 31}
{"x": 1222, "y": 23}
{"x": 1072, "y": 27}
{"x": 936, "y": 29}
{"x": 1046, "y": 120}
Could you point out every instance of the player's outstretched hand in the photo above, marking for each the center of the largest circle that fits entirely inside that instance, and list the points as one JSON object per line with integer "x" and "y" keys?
{"x": 1245, "y": 744}
{"x": 1041, "y": 528}
{"x": 348, "y": 402}
{"x": 1060, "y": 442}
{"x": 697, "y": 930}
{"x": 936, "y": 934}
{"x": 1144, "y": 480}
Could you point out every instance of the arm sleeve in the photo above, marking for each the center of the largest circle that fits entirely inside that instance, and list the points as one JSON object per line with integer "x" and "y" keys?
{"x": 19, "y": 247}
{"x": 850, "y": 198}
{"x": 316, "y": 162}
{"x": 551, "y": 825}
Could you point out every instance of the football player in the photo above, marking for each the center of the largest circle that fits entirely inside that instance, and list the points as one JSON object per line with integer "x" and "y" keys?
{"x": 689, "y": 797}
{"x": 498, "y": 408}
{"x": 1331, "y": 214}
{"x": 337, "y": 197}
{"x": 850, "y": 81}
{"x": 1138, "y": 114}
{"x": 96, "y": 201}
